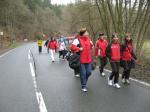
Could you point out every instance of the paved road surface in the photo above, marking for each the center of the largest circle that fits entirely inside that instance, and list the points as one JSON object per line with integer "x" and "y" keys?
{"x": 60, "y": 89}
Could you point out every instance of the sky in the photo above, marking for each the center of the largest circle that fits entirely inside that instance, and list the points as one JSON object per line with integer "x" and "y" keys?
{"x": 62, "y": 1}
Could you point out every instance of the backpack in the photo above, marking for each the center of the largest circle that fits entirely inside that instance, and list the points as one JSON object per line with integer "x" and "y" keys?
{"x": 74, "y": 61}
{"x": 68, "y": 55}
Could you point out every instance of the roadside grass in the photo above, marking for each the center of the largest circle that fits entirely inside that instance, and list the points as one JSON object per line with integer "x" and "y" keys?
{"x": 14, "y": 45}
{"x": 8, "y": 46}
{"x": 146, "y": 49}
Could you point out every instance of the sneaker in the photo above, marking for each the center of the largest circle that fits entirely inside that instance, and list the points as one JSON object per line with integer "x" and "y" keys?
{"x": 84, "y": 89}
{"x": 117, "y": 86}
{"x": 127, "y": 81}
{"x": 77, "y": 75}
{"x": 123, "y": 80}
{"x": 103, "y": 74}
{"x": 110, "y": 82}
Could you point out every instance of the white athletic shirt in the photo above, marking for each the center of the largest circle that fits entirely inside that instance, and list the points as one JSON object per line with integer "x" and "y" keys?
{"x": 76, "y": 42}
{"x": 62, "y": 46}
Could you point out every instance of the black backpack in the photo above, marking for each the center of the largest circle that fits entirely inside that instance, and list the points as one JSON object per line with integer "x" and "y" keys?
{"x": 74, "y": 61}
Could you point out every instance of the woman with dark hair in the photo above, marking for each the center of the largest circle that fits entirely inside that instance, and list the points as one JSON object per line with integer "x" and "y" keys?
{"x": 83, "y": 44}
{"x": 128, "y": 57}
{"x": 100, "y": 51}
{"x": 113, "y": 53}
{"x": 52, "y": 45}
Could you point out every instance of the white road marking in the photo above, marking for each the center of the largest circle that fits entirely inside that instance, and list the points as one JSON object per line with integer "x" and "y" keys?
{"x": 29, "y": 57}
{"x": 39, "y": 97}
{"x": 32, "y": 70}
{"x": 42, "y": 103}
{"x": 135, "y": 80}
{"x": 6, "y": 53}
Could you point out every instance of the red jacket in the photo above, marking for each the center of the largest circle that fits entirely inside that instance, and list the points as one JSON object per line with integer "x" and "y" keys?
{"x": 100, "y": 47}
{"x": 127, "y": 53}
{"x": 52, "y": 44}
{"x": 113, "y": 52}
{"x": 86, "y": 53}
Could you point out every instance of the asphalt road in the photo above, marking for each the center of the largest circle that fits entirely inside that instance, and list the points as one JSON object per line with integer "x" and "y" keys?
{"x": 61, "y": 91}
{"x": 16, "y": 85}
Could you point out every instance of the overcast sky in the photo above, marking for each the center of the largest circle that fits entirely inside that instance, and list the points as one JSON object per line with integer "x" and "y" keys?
{"x": 62, "y": 1}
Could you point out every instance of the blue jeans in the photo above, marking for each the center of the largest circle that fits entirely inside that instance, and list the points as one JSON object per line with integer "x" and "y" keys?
{"x": 85, "y": 72}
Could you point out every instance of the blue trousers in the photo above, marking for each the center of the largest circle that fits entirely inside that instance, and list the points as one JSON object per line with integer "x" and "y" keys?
{"x": 85, "y": 72}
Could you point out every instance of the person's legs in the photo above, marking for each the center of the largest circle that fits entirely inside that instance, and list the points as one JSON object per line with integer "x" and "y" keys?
{"x": 113, "y": 67}
{"x": 47, "y": 50}
{"x": 52, "y": 54}
{"x": 40, "y": 49}
{"x": 83, "y": 75}
{"x": 88, "y": 68}
{"x": 101, "y": 64}
{"x": 128, "y": 69}
{"x": 124, "y": 69}
{"x": 116, "y": 73}
{"x": 116, "y": 78}
{"x": 103, "y": 61}
{"x": 63, "y": 53}
{"x": 76, "y": 72}
{"x": 60, "y": 53}
{"x": 128, "y": 74}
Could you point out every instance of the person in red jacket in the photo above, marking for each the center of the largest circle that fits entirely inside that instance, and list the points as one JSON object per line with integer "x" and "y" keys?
{"x": 113, "y": 53}
{"x": 75, "y": 42}
{"x": 52, "y": 45}
{"x": 100, "y": 51}
{"x": 127, "y": 57}
{"x": 83, "y": 44}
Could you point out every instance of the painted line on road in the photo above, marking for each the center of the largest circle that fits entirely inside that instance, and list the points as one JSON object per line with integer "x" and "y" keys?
{"x": 42, "y": 105}
{"x": 39, "y": 97}
{"x": 29, "y": 57}
{"x": 135, "y": 80}
{"x": 6, "y": 53}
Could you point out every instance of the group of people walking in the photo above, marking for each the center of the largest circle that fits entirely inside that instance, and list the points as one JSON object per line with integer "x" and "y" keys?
{"x": 53, "y": 46}
{"x": 114, "y": 51}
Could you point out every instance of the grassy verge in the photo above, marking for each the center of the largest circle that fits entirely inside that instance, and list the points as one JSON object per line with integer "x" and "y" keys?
{"x": 146, "y": 49}
{"x": 14, "y": 45}
{"x": 9, "y": 46}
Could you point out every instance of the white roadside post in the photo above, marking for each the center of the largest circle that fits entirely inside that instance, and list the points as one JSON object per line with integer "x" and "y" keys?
{"x": 1, "y": 36}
